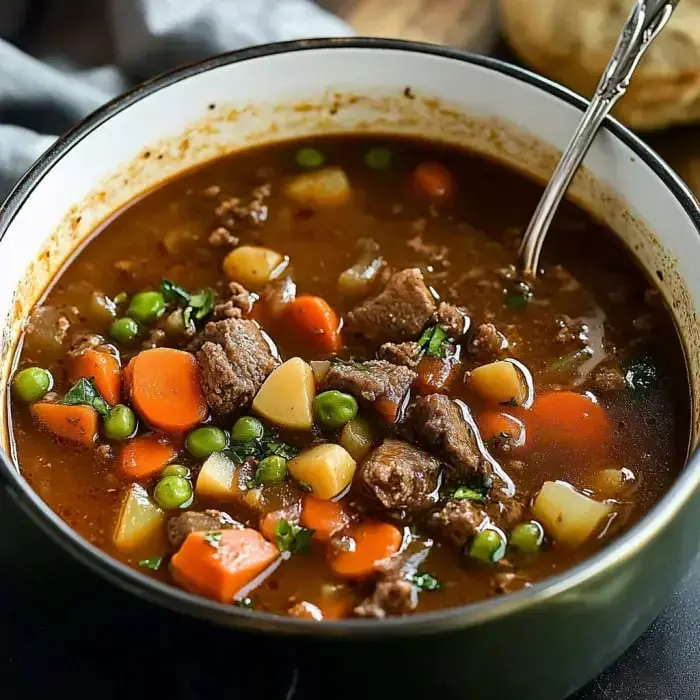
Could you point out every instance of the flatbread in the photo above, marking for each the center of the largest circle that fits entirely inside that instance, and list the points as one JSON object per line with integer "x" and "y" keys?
{"x": 571, "y": 42}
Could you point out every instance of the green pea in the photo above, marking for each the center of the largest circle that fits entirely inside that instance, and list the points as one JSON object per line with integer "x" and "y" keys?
{"x": 146, "y": 306}
{"x": 120, "y": 423}
{"x": 32, "y": 384}
{"x": 124, "y": 330}
{"x": 333, "y": 409}
{"x": 246, "y": 429}
{"x": 527, "y": 537}
{"x": 378, "y": 158}
{"x": 202, "y": 442}
{"x": 175, "y": 470}
{"x": 487, "y": 546}
{"x": 309, "y": 158}
{"x": 173, "y": 492}
{"x": 270, "y": 469}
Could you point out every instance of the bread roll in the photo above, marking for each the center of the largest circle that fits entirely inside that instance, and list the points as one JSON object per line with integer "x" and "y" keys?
{"x": 571, "y": 41}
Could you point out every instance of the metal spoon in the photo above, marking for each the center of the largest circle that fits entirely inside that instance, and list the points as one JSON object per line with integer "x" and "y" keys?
{"x": 647, "y": 19}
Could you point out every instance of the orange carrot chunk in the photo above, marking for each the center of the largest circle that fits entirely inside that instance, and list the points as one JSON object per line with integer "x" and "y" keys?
{"x": 145, "y": 456}
{"x": 165, "y": 389}
{"x": 434, "y": 180}
{"x": 493, "y": 423}
{"x": 374, "y": 541}
{"x": 76, "y": 423}
{"x": 324, "y": 517}
{"x": 103, "y": 369}
{"x": 316, "y": 321}
{"x": 218, "y": 564}
{"x": 569, "y": 419}
{"x": 435, "y": 375}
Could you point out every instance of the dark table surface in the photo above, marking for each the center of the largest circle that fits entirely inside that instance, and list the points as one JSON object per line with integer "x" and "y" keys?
{"x": 63, "y": 630}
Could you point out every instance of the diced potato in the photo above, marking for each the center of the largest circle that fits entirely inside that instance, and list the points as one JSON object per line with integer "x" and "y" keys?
{"x": 320, "y": 369}
{"x": 139, "y": 520}
{"x": 499, "y": 382}
{"x": 217, "y": 478}
{"x": 329, "y": 187}
{"x": 610, "y": 483}
{"x": 253, "y": 266}
{"x": 358, "y": 279}
{"x": 567, "y": 515}
{"x": 356, "y": 437}
{"x": 285, "y": 397}
{"x": 327, "y": 469}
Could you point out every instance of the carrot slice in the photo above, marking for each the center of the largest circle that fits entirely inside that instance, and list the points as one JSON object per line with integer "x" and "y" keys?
{"x": 386, "y": 409}
{"x": 434, "y": 180}
{"x": 569, "y": 419}
{"x": 103, "y": 369}
{"x": 493, "y": 423}
{"x": 374, "y": 541}
{"x": 434, "y": 375}
{"x": 325, "y": 517}
{"x": 76, "y": 423}
{"x": 128, "y": 377}
{"x": 316, "y": 321}
{"x": 145, "y": 456}
{"x": 218, "y": 564}
{"x": 165, "y": 389}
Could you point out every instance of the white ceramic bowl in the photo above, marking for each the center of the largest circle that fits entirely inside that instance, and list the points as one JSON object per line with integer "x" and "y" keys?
{"x": 579, "y": 621}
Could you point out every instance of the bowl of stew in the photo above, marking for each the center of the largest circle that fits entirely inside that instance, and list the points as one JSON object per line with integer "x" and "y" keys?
{"x": 268, "y": 360}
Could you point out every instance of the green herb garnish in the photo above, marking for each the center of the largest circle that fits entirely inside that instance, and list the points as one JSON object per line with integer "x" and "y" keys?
{"x": 280, "y": 449}
{"x": 518, "y": 295}
{"x": 152, "y": 563}
{"x": 196, "y": 306}
{"x": 433, "y": 341}
{"x": 213, "y": 539}
{"x": 292, "y": 538}
{"x": 245, "y": 603}
{"x": 425, "y": 581}
{"x": 84, "y": 393}
{"x": 464, "y": 493}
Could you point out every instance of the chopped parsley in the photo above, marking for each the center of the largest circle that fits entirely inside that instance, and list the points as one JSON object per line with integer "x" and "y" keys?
{"x": 425, "y": 581}
{"x": 152, "y": 563}
{"x": 85, "y": 393}
{"x": 292, "y": 538}
{"x": 213, "y": 539}
{"x": 266, "y": 446}
{"x": 245, "y": 603}
{"x": 511, "y": 402}
{"x": 196, "y": 306}
{"x": 518, "y": 295}
{"x": 280, "y": 449}
{"x": 464, "y": 493}
{"x": 433, "y": 341}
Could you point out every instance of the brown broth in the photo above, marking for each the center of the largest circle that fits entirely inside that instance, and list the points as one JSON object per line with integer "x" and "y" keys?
{"x": 460, "y": 248}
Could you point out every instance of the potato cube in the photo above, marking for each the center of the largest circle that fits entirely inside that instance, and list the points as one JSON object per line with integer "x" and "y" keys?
{"x": 253, "y": 266}
{"x": 329, "y": 187}
{"x": 567, "y": 515}
{"x": 139, "y": 520}
{"x": 327, "y": 469}
{"x": 285, "y": 397}
{"x": 499, "y": 382}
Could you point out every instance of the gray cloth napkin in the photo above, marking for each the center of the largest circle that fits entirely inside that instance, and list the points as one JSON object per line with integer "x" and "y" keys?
{"x": 61, "y": 60}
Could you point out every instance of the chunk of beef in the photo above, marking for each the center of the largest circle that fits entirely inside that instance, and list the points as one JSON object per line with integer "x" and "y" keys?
{"x": 234, "y": 361}
{"x": 221, "y": 237}
{"x": 398, "y": 313}
{"x": 88, "y": 341}
{"x": 377, "y": 381}
{"x": 505, "y": 512}
{"x": 154, "y": 339}
{"x": 408, "y": 354}
{"x": 401, "y": 476}
{"x": 457, "y": 521}
{"x": 277, "y": 294}
{"x": 182, "y": 525}
{"x": 437, "y": 424}
{"x": 239, "y": 303}
{"x": 488, "y": 343}
{"x": 233, "y": 211}
{"x": 454, "y": 319}
{"x": 607, "y": 380}
{"x": 391, "y": 596}
{"x": 571, "y": 332}
{"x": 104, "y": 453}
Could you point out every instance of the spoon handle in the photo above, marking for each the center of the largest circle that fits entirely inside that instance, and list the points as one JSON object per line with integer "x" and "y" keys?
{"x": 646, "y": 20}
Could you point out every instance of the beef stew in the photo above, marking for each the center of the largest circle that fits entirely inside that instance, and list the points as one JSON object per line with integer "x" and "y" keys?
{"x": 307, "y": 378}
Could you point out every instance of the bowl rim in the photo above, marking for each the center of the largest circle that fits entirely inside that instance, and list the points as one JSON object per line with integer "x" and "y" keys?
{"x": 448, "y": 619}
